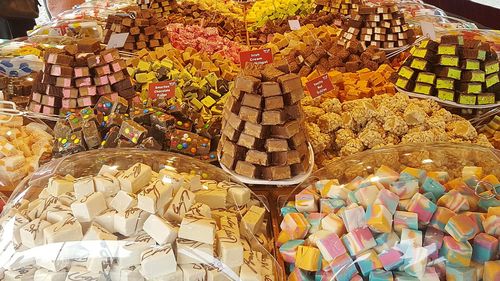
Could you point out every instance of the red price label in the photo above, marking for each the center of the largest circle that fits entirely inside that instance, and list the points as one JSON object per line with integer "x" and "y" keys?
{"x": 319, "y": 86}
{"x": 262, "y": 56}
{"x": 162, "y": 90}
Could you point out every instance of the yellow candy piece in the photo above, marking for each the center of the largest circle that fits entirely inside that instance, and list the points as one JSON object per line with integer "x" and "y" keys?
{"x": 307, "y": 258}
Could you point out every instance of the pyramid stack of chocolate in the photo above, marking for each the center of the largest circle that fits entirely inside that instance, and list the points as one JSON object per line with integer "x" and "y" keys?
{"x": 76, "y": 76}
{"x": 344, "y": 7}
{"x": 383, "y": 26}
{"x": 262, "y": 134}
{"x": 146, "y": 30}
{"x": 462, "y": 70}
{"x": 162, "y": 8}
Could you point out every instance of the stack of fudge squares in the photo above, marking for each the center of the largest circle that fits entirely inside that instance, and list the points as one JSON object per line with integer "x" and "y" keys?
{"x": 76, "y": 76}
{"x": 344, "y": 7}
{"x": 383, "y": 26}
{"x": 262, "y": 133}
{"x": 457, "y": 69}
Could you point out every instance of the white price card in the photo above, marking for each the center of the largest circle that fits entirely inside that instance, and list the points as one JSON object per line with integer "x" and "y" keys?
{"x": 117, "y": 40}
{"x": 428, "y": 29}
{"x": 294, "y": 24}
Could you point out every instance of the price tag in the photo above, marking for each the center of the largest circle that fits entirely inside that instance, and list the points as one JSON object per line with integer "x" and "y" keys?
{"x": 428, "y": 30}
{"x": 319, "y": 86}
{"x": 294, "y": 24}
{"x": 162, "y": 90}
{"x": 261, "y": 56}
{"x": 117, "y": 40}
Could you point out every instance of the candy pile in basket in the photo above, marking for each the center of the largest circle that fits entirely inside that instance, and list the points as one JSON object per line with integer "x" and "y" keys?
{"x": 427, "y": 220}
{"x": 170, "y": 220}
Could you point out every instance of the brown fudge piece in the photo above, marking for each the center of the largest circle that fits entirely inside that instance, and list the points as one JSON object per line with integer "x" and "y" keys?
{"x": 270, "y": 73}
{"x": 294, "y": 111}
{"x": 88, "y": 45}
{"x": 276, "y": 173}
{"x": 301, "y": 167}
{"x": 232, "y": 105}
{"x": 228, "y": 161}
{"x": 294, "y": 97}
{"x": 275, "y": 102}
{"x": 249, "y": 114}
{"x": 247, "y": 169}
{"x": 230, "y": 132}
{"x": 249, "y": 141}
{"x": 297, "y": 139}
{"x": 290, "y": 82}
{"x": 233, "y": 150}
{"x": 285, "y": 158}
{"x": 270, "y": 89}
{"x": 273, "y": 117}
{"x": 287, "y": 130}
{"x": 247, "y": 84}
{"x": 251, "y": 100}
{"x": 257, "y": 157}
{"x": 235, "y": 121}
{"x": 256, "y": 130}
{"x": 302, "y": 149}
{"x": 276, "y": 145}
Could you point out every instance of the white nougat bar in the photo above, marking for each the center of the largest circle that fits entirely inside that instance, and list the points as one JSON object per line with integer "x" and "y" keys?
{"x": 135, "y": 178}
{"x": 162, "y": 231}
{"x": 130, "y": 222}
{"x": 158, "y": 261}
{"x": 181, "y": 203}
{"x": 199, "y": 229}
{"x": 252, "y": 220}
{"x": 155, "y": 196}
{"x": 123, "y": 201}
{"x": 229, "y": 247}
{"x": 89, "y": 206}
{"x": 189, "y": 251}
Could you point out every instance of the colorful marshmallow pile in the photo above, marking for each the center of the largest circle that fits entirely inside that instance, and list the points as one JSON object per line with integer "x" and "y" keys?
{"x": 135, "y": 224}
{"x": 413, "y": 225}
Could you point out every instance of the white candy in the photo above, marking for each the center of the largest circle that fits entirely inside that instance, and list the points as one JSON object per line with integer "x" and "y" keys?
{"x": 97, "y": 232}
{"x": 200, "y": 210}
{"x": 135, "y": 178}
{"x": 155, "y": 196}
{"x": 77, "y": 272}
{"x": 229, "y": 245}
{"x": 43, "y": 274}
{"x": 129, "y": 254}
{"x": 175, "y": 276}
{"x": 161, "y": 230}
{"x": 89, "y": 206}
{"x": 251, "y": 268}
{"x": 267, "y": 269}
{"x": 32, "y": 234}
{"x": 21, "y": 204}
{"x": 131, "y": 274}
{"x": 193, "y": 272}
{"x": 84, "y": 186}
{"x": 131, "y": 221}
{"x": 105, "y": 169}
{"x": 180, "y": 205}
{"x": 67, "y": 230}
{"x": 252, "y": 220}
{"x": 214, "y": 198}
{"x": 101, "y": 255}
{"x": 40, "y": 209}
{"x": 170, "y": 177}
{"x": 198, "y": 229}
{"x": 107, "y": 220}
{"x": 221, "y": 273}
{"x": 59, "y": 185}
{"x": 56, "y": 256}
{"x": 67, "y": 198}
{"x": 22, "y": 274}
{"x": 107, "y": 184}
{"x": 14, "y": 224}
{"x": 158, "y": 261}
{"x": 58, "y": 213}
{"x": 238, "y": 195}
{"x": 189, "y": 251}
{"x": 123, "y": 201}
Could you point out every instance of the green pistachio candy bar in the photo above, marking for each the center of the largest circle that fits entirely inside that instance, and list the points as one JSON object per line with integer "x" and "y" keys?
{"x": 486, "y": 98}
{"x": 406, "y": 72}
{"x": 420, "y": 64}
{"x": 403, "y": 83}
{"x": 491, "y": 67}
{"x": 422, "y": 53}
{"x": 473, "y": 76}
{"x": 470, "y": 88}
{"x": 474, "y": 54}
{"x": 470, "y": 64}
{"x": 445, "y": 94}
{"x": 447, "y": 49}
{"x": 426, "y": 77}
{"x": 423, "y": 88}
{"x": 447, "y": 60}
{"x": 492, "y": 79}
{"x": 466, "y": 99}
{"x": 445, "y": 83}
{"x": 429, "y": 44}
{"x": 449, "y": 72}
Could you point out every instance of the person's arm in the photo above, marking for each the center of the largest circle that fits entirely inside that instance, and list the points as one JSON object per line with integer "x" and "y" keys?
{"x": 57, "y": 6}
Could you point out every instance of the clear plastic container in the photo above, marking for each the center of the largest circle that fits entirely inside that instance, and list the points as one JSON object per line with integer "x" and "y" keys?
{"x": 61, "y": 31}
{"x": 136, "y": 244}
{"x": 411, "y": 234}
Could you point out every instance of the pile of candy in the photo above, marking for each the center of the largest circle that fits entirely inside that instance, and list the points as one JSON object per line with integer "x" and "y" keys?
{"x": 133, "y": 224}
{"x": 413, "y": 225}
{"x": 203, "y": 40}
{"x": 339, "y": 129}
{"x": 343, "y": 7}
{"x": 17, "y": 89}
{"x": 263, "y": 11}
{"x": 76, "y": 76}
{"x": 456, "y": 69}
{"x": 22, "y": 148}
{"x": 492, "y": 131}
{"x": 363, "y": 83}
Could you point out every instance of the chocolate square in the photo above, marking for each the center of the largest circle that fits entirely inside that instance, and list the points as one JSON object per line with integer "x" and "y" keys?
{"x": 257, "y": 157}
{"x": 250, "y": 114}
{"x": 273, "y": 117}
